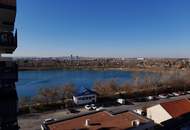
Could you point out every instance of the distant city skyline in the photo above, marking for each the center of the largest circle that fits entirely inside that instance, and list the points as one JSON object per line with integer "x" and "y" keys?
{"x": 103, "y": 28}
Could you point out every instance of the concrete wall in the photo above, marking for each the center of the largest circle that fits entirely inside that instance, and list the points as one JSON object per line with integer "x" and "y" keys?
{"x": 158, "y": 114}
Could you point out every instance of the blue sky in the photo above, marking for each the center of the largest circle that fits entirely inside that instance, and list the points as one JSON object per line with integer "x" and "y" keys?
{"x": 104, "y": 28}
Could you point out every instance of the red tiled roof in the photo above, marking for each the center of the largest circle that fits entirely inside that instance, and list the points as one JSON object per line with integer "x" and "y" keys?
{"x": 98, "y": 121}
{"x": 177, "y": 108}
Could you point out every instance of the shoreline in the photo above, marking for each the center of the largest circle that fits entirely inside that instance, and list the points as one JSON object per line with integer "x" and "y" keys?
{"x": 104, "y": 69}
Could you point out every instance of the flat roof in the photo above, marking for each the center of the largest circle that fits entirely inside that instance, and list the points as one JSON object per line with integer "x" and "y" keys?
{"x": 177, "y": 108}
{"x": 99, "y": 120}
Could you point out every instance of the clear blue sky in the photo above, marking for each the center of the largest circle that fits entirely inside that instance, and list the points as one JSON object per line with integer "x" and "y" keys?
{"x": 110, "y": 28}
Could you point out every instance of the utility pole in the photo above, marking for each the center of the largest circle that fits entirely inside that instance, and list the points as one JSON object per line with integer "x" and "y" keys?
{"x": 8, "y": 67}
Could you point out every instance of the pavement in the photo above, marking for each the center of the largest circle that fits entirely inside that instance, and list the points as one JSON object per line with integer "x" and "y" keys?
{"x": 33, "y": 121}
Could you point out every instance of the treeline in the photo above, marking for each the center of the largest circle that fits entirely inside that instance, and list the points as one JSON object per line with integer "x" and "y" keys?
{"x": 141, "y": 84}
{"x": 145, "y": 84}
{"x": 103, "y": 63}
{"x": 48, "y": 99}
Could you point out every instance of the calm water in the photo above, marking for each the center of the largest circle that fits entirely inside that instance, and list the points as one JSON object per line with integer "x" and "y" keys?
{"x": 31, "y": 81}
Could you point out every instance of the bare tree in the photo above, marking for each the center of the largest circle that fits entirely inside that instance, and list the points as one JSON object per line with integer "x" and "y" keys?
{"x": 48, "y": 95}
{"x": 128, "y": 88}
{"x": 136, "y": 80}
{"x": 69, "y": 90}
{"x": 24, "y": 101}
{"x": 106, "y": 88}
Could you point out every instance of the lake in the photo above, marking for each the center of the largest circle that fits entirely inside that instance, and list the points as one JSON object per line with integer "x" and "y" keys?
{"x": 31, "y": 81}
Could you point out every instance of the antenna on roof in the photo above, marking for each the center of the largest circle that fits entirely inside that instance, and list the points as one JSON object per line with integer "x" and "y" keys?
{"x": 135, "y": 123}
{"x": 87, "y": 122}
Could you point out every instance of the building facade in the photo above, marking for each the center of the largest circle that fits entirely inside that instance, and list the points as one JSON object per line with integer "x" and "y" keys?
{"x": 86, "y": 97}
{"x": 168, "y": 110}
{"x": 8, "y": 68}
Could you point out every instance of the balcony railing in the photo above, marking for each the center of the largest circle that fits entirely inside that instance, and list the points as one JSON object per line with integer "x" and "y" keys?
{"x": 8, "y": 42}
{"x": 8, "y": 2}
{"x": 8, "y": 71}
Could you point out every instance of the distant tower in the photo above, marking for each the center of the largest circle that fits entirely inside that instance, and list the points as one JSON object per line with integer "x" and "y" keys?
{"x": 77, "y": 58}
{"x": 71, "y": 57}
{"x": 8, "y": 68}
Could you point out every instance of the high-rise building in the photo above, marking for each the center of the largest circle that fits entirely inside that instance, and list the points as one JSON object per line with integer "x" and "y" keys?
{"x": 8, "y": 68}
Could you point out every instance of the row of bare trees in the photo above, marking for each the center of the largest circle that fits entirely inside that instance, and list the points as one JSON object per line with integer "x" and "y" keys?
{"x": 50, "y": 96}
{"x": 146, "y": 83}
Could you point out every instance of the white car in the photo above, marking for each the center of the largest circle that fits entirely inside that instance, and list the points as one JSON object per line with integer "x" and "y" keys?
{"x": 99, "y": 108}
{"x": 161, "y": 96}
{"x": 48, "y": 120}
{"x": 175, "y": 94}
{"x": 88, "y": 107}
{"x": 121, "y": 101}
{"x": 182, "y": 93}
{"x": 188, "y": 92}
{"x": 93, "y": 107}
{"x": 150, "y": 98}
{"x": 170, "y": 95}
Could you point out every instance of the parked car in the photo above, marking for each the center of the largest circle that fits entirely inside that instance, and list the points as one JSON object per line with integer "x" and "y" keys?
{"x": 48, "y": 120}
{"x": 162, "y": 96}
{"x": 140, "y": 99}
{"x": 93, "y": 106}
{"x": 188, "y": 92}
{"x": 72, "y": 110}
{"x": 170, "y": 95}
{"x": 140, "y": 112}
{"x": 150, "y": 98}
{"x": 176, "y": 94}
{"x": 90, "y": 107}
{"x": 99, "y": 108}
{"x": 121, "y": 101}
{"x": 182, "y": 93}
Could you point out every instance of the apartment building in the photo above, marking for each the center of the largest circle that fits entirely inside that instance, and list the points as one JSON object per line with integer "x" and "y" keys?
{"x": 8, "y": 68}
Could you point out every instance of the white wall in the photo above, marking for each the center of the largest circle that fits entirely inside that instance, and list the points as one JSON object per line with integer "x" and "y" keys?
{"x": 158, "y": 114}
{"x": 80, "y": 102}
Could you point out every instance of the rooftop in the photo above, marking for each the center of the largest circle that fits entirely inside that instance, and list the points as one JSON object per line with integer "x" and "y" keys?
{"x": 86, "y": 91}
{"x": 99, "y": 121}
{"x": 177, "y": 108}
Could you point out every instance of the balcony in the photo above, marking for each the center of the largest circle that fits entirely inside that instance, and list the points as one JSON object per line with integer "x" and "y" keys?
{"x": 8, "y": 42}
{"x": 8, "y": 71}
{"x": 7, "y": 15}
{"x": 8, "y": 2}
